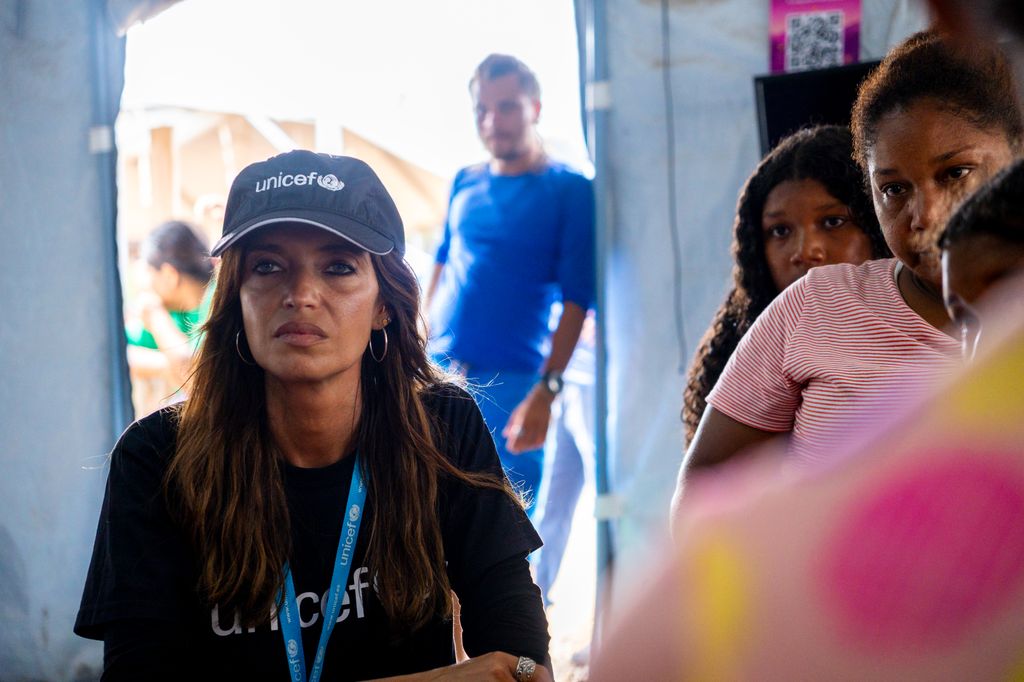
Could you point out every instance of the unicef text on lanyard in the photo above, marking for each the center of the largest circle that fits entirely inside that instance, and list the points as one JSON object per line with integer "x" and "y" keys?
{"x": 290, "y": 627}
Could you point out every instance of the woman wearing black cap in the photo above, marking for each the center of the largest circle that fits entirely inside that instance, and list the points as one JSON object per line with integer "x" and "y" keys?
{"x": 308, "y": 511}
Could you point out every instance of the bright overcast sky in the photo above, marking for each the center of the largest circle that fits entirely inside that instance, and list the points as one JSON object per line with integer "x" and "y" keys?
{"x": 392, "y": 70}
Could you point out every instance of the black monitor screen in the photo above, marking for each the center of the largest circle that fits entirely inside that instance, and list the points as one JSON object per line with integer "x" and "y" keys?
{"x": 787, "y": 102}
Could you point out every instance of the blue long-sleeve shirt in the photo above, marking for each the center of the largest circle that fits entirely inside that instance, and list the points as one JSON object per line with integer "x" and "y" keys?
{"x": 513, "y": 245}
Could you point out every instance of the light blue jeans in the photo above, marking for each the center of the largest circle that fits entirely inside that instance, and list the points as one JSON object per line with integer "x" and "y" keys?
{"x": 570, "y": 462}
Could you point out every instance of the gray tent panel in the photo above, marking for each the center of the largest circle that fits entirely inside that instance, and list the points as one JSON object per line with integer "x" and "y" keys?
{"x": 63, "y": 398}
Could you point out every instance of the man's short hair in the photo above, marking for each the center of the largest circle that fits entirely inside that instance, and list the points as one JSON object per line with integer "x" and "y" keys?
{"x": 498, "y": 65}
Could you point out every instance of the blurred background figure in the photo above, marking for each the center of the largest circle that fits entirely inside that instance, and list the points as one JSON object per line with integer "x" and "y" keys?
{"x": 803, "y": 206}
{"x": 162, "y": 320}
{"x": 519, "y": 238}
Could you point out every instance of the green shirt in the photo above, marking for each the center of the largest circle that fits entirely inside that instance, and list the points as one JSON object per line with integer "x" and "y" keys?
{"x": 187, "y": 321}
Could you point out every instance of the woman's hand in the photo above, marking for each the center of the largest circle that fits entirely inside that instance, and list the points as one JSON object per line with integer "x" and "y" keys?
{"x": 496, "y": 665}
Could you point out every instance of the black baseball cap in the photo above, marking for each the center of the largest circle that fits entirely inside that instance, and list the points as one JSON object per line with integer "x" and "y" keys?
{"x": 336, "y": 193}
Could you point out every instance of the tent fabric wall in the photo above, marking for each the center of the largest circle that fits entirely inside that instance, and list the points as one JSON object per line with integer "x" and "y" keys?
{"x": 681, "y": 143}
{"x": 62, "y": 398}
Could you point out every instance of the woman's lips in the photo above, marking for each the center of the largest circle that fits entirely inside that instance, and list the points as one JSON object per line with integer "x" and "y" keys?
{"x": 300, "y": 333}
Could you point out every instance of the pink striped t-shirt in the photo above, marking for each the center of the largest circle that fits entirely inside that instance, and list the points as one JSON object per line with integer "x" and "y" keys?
{"x": 837, "y": 343}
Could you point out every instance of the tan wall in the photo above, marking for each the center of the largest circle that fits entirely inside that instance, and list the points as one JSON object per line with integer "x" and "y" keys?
{"x": 421, "y": 197}
{"x": 202, "y": 167}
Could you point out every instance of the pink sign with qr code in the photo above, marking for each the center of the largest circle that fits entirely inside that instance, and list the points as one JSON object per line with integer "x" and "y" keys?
{"x": 814, "y": 34}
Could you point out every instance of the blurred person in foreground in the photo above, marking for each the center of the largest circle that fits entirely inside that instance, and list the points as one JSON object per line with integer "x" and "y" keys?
{"x": 519, "y": 237}
{"x": 984, "y": 23}
{"x": 164, "y": 318}
{"x": 226, "y": 548}
{"x": 982, "y": 246}
{"x": 901, "y": 560}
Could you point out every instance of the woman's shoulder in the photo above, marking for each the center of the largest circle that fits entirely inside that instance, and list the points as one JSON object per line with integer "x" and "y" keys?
{"x": 873, "y": 273}
{"x": 159, "y": 425}
{"x": 151, "y": 437}
{"x": 460, "y": 431}
{"x": 847, "y": 285}
{"x": 447, "y": 401}
{"x": 828, "y": 296}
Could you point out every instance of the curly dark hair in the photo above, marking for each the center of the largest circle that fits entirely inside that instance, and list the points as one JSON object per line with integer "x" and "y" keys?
{"x": 997, "y": 210}
{"x": 977, "y": 86}
{"x": 823, "y": 154}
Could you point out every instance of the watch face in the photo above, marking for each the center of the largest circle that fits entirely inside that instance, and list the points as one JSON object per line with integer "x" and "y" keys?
{"x": 553, "y": 382}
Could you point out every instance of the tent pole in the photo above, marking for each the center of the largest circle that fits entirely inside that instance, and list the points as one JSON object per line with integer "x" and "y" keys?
{"x": 105, "y": 105}
{"x": 597, "y": 104}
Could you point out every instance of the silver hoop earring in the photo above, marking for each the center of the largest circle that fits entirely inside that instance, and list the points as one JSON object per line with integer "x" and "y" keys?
{"x": 383, "y": 354}
{"x": 238, "y": 349}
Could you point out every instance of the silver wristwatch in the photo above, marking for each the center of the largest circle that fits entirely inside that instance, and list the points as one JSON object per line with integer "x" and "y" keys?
{"x": 552, "y": 381}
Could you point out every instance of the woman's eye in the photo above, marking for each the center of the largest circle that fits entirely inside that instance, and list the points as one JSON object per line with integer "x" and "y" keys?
{"x": 959, "y": 172}
{"x": 340, "y": 268}
{"x": 778, "y": 231}
{"x": 833, "y": 222}
{"x": 893, "y": 189}
{"x": 265, "y": 267}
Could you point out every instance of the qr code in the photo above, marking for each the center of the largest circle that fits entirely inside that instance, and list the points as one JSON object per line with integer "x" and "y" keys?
{"x": 814, "y": 40}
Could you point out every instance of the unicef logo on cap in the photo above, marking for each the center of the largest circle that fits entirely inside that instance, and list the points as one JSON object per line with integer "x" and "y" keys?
{"x": 353, "y": 513}
{"x": 330, "y": 181}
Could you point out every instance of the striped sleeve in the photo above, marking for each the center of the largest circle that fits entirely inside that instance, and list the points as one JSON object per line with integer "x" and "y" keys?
{"x": 754, "y": 388}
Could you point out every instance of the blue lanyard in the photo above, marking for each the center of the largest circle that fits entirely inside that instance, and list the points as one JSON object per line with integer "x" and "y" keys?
{"x": 289, "y": 616}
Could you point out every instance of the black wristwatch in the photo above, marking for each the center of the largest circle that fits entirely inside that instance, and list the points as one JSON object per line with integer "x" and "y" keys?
{"x": 552, "y": 381}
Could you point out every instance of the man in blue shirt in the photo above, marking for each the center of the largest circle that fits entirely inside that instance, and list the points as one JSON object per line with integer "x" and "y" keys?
{"x": 518, "y": 240}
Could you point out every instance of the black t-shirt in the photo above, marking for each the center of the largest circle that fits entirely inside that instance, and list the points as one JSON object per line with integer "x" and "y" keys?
{"x": 144, "y": 574}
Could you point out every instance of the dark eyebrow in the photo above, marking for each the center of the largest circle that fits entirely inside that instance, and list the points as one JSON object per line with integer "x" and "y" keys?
{"x": 820, "y": 207}
{"x": 945, "y": 156}
{"x": 950, "y": 154}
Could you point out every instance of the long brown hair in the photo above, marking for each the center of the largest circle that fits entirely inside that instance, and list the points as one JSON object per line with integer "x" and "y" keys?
{"x": 225, "y": 483}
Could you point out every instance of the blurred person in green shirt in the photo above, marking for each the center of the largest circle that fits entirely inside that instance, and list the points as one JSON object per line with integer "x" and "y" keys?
{"x": 163, "y": 327}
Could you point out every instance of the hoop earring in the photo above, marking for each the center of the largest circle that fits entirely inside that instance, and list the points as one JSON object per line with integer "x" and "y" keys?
{"x": 385, "y": 353}
{"x": 238, "y": 349}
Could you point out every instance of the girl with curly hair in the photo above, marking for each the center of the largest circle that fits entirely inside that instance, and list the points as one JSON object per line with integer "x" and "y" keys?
{"x": 803, "y": 206}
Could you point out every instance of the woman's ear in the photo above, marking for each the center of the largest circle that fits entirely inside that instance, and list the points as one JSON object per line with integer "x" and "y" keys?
{"x": 383, "y": 317}
{"x": 170, "y": 274}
